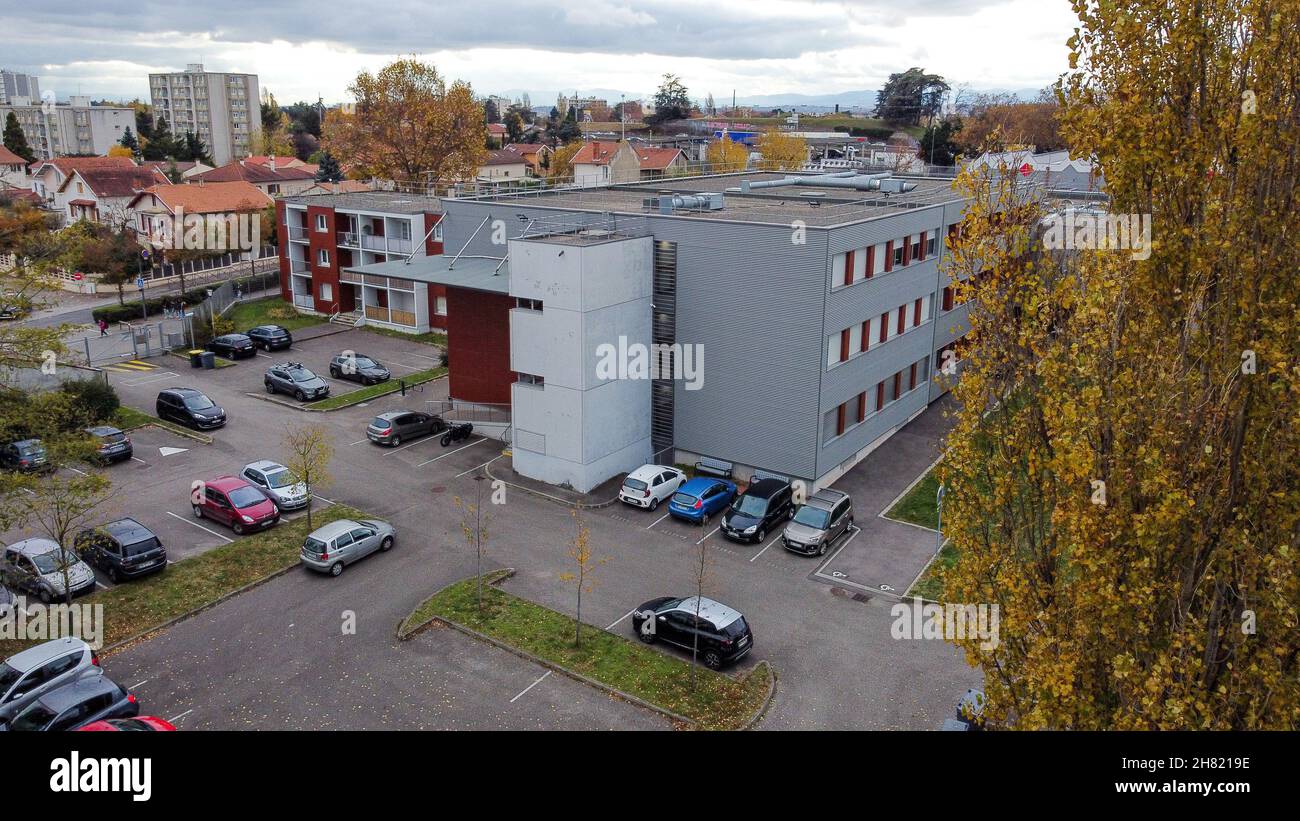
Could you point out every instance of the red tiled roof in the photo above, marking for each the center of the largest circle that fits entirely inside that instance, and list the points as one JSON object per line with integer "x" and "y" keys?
{"x": 210, "y": 197}
{"x": 8, "y": 157}
{"x": 496, "y": 129}
{"x": 656, "y": 159}
{"x": 69, "y": 164}
{"x": 165, "y": 165}
{"x": 117, "y": 182}
{"x": 83, "y": 203}
{"x": 595, "y": 153}
{"x": 252, "y": 172}
{"x": 505, "y": 156}
{"x": 528, "y": 149}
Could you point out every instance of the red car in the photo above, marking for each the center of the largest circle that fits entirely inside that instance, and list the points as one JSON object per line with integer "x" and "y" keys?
{"x": 234, "y": 503}
{"x": 149, "y": 724}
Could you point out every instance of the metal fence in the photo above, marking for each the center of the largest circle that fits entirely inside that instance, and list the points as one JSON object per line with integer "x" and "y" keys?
{"x": 458, "y": 410}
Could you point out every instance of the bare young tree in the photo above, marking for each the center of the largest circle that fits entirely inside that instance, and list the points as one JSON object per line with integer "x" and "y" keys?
{"x": 702, "y": 573}
{"x": 61, "y": 507}
{"x": 474, "y": 524}
{"x": 584, "y": 566}
{"x": 310, "y": 449}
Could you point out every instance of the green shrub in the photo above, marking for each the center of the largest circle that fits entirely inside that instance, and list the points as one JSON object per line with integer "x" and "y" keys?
{"x": 93, "y": 398}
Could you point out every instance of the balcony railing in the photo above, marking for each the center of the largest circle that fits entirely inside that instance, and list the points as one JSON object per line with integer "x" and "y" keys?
{"x": 400, "y": 246}
{"x": 372, "y": 243}
{"x": 350, "y": 238}
{"x": 297, "y": 234}
{"x": 299, "y": 266}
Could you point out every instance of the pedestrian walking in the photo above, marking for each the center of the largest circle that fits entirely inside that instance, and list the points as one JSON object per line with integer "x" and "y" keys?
{"x": 103, "y": 328}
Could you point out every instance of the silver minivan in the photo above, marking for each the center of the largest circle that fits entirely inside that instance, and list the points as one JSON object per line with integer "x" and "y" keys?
{"x": 819, "y": 522}
{"x": 26, "y": 676}
{"x": 330, "y": 548}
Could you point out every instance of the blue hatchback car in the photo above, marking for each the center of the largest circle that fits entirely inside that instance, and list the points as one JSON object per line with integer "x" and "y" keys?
{"x": 700, "y": 498}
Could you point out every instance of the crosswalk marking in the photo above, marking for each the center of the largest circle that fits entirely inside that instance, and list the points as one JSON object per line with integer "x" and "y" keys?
{"x": 129, "y": 366}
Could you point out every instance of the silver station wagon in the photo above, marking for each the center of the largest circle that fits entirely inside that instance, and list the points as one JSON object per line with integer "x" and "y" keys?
{"x": 331, "y": 548}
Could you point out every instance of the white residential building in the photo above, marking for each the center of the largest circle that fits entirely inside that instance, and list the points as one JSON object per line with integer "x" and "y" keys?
{"x": 74, "y": 127}
{"x": 223, "y": 109}
{"x": 16, "y": 86}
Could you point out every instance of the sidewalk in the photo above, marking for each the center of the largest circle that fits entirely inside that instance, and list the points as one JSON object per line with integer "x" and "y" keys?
{"x": 602, "y": 495}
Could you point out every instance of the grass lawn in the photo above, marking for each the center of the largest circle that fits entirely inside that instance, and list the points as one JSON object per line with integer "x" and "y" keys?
{"x": 129, "y": 418}
{"x": 918, "y": 505}
{"x": 430, "y": 338}
{"x": 928, "y": 586}
{"x": 718, "y": 702}
{"x": 343, "y": 400}
{"x": 137, "y": 606}
{"x": 270, "y": 311}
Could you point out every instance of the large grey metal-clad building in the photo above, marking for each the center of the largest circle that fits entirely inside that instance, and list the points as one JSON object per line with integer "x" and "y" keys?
{"x": 817, "y": 302}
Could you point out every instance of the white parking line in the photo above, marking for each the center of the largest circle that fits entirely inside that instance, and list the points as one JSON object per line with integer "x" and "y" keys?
{"x": 74, "y": 470}
{"x": 471, "y": 470}
{"x": 657, "y": 521}
{"x": 710, "y": 533}
{"x": 141, "y": 461}
{"x": 450, "y": 452}
{"x": 531, "y": 686}
{"x": 765, "y": 547}
{"x": 433, "y": 437}
{"x": 139, "y": 683}
{"x": 200, "y": 527}
{"x": 323, "y": 499}
{"x": 359, "y": 441}
{"x": 175, "y": 719}
{"x": 155, "y": 378}
{"x": 614, "y": 623}
{"x": 423, "y": 356}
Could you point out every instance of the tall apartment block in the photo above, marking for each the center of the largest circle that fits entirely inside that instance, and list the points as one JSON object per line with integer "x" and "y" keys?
{"x": 17, "y": 87}
{"x": 223, "y": 109}
{"x": 74, "y": 127}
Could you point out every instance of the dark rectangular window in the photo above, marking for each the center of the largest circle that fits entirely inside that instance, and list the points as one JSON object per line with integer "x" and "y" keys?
{"x": 898, "y": 253}
{"x": 911, "y": 382}
{"x": 947, "y": 298}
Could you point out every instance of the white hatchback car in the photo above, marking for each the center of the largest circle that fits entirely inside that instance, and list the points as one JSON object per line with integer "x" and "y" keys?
{"x": 649, "y": 485}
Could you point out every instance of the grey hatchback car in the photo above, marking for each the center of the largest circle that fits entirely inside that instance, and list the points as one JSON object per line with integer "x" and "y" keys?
{"x": 277, "y": 483}
{"x": 819, "y": 522}
{"x": 80, "y": 701}
{"x": 297, "y": 381}
{"x": 392, "y": 427}
{"x": 340, "y": 543}
{"x": 26, "y": 676}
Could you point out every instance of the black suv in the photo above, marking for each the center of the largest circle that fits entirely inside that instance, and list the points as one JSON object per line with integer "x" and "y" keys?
{"x": 766, "y": 503}
{"x": 190, "y": 407}
{"x": 124, "y": 549}
{"x": 292, "y": 378}
{"x": 26, "y": 456}
{"x": 724, "y": 636}
{"x": 232, "y": 346}
{"x": 358, "y": 367}
{"x": 270, "y": 337}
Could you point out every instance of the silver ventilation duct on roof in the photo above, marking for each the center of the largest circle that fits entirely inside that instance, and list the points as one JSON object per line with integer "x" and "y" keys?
{"x": 841, "y": 179}
{"x": 667, "y": 203}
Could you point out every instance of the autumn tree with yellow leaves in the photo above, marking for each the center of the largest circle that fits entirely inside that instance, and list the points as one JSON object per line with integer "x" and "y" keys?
{"x": 782, "y": 151}
{"x": 1123, "y": 480}
{"x": 408, "y": 123}
{"x": 726, "y": 156}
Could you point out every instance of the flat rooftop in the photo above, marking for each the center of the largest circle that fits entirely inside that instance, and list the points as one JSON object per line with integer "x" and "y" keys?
{"x": 827, "y": 206}
{"x": 474, "y": 273}
{"x": 384, "y": 202}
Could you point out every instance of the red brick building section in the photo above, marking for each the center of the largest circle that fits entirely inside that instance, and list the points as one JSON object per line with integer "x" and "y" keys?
{"x": 478, "y": 346}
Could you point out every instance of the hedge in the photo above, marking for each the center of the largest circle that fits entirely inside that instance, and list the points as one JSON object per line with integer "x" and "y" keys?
{"x": 131, "y": 310}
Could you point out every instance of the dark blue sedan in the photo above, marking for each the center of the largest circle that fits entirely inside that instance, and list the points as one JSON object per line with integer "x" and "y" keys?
{"x": 700, "y": 498}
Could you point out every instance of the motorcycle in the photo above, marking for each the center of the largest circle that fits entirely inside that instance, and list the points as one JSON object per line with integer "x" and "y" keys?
{"x": 456, "y": 433}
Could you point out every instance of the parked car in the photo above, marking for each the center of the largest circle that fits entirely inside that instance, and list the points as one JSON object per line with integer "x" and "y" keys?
{"x": 649, "y": 485}
{"x": 296, "y": 380}
{"x": 11, "y": 311}
{"x": 340, "y": 543}
{"x": 358, "y": 367}
{"x": 112, "y": 445}
{"x": 25, "y": 456}
{"x": 26, "y": 676}
{"x": 278, "y": 484}
{"x": 122, "y": 549}
{"x": 75, "y": 704}
{"x": 823, "y": 519}
{"x": 724, "y": 635}
{"x": 7, "y": 602}
{"x": 270, "y": 337}
{"x": 190, "y": 407}
{"x": 232, "y": 346}
{"x": 392, "y": 427}
{"x": 125, "y": 725}
{"x": 765, "y": 504}
{"x": 38, "y": 566}
{"x": 700, "y": 498}
{"x": 236, "y": 504}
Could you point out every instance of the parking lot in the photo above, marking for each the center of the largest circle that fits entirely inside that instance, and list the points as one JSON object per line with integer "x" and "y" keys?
{"x": 275, "y": 656}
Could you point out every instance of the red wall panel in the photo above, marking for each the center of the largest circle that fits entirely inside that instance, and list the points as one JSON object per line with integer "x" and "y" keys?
{"x": 478, "y": 346}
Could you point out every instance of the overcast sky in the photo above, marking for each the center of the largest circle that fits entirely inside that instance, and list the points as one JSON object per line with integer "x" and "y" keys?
{"x": 301, "y": 49}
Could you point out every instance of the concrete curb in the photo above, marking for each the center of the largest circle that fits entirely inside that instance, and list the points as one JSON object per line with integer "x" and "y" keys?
{"x": 767, "y": 699}
{"x": 276, "y": 400}
{"x": 556, "y": 499}
{"x": 179, "y": 431}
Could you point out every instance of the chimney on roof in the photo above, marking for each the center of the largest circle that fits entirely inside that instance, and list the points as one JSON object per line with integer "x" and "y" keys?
{"x": 272, "y": 162}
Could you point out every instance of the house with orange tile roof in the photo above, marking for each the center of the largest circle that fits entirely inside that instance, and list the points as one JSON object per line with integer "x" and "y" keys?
{"x": 162, "y": 208}
{"x": 272, "y": 178}
{"x": 13, "y": 170}
{"x": 49, "y": 175}
{"x": 536, "y": 155}
{"x": 102, "y": 194}
{"x": 601, "y": 162}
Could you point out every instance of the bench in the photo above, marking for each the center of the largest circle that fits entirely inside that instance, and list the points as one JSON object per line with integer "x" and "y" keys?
{"x": 714, "y": 467}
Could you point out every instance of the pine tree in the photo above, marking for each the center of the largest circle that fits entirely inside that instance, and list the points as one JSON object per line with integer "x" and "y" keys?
{"x": 163, "y": 144}
{"x": 15, "y": 140}
{"x": 129, "y": 141}
{"x": 329, "y": 170}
